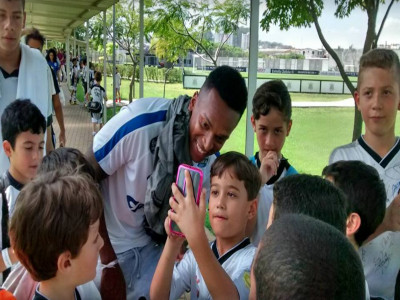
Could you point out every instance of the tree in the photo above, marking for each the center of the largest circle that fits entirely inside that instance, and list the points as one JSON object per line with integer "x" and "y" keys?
{"x": 126, "y": 33}
{"x": 302, "y": 13}
{"x": 193, "y": 20}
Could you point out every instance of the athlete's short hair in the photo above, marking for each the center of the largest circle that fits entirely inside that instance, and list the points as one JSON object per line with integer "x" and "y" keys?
{"x": 312, "y": 196}
{"x": 20, "y": 116}
{"x": 68, "y": 161}
{"x": 274, "y": 94}
{"x": 52, "y": 215}
{"x": 365, "y": 191}
{"x": 379, "y": 58}
{"x": 230, "y": 86}
{"x": 242, "y": 168}
{"x": 301, "y": 257}
{"x": 35, "y": 34}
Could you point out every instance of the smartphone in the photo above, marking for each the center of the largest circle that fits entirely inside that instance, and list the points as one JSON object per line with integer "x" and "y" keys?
{"x": 196, "y": 175}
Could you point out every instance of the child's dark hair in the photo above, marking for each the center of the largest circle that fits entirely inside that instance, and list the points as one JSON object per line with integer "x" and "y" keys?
{"x": 69, "y": 160}
{"x": 20, "y": 116}
{"x": 242, "y": 168}
{"x": 97, "y": 76}
{"x": 270, "y": 94}
{"x": 379, "y": 58}
{"x": 52, "y": 215}
{"x": 304, "y": 258}
{"x": 365, "y": 192}
{"x": 230, "y": 86}
{"x": 312, "y": 196}
{"x": 35, "y": 35}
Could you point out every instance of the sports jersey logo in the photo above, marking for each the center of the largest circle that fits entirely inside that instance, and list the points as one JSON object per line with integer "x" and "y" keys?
{"x": 133, "y": 204}
{"x": 203, "y": 163}
{"x": 152, "y": 145}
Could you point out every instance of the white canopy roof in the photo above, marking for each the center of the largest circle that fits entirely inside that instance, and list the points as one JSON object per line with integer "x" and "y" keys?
{"x": 57, "y": 18}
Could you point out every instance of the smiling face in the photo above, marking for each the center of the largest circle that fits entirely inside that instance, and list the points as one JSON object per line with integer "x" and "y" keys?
{"x": 86, "y": 261}
{"x": 12, "y": 20}
{"x": 377, "y": 99}
{"x": 271, "y": 131}
{"x": 211, "y": 123}
{"x": 229, "y": 207}
{"x": 25, "y": 156}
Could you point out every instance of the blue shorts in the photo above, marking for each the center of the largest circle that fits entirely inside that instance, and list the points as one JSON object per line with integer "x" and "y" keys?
{"x": 138, "y": 266}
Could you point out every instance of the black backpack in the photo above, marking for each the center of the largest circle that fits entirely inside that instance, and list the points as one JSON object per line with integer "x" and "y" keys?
{"x": 94, "y": 107}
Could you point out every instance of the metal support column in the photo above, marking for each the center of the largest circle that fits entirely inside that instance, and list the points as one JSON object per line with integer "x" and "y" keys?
{"x": 141, "y": 48}
{"x": 252, "y": 73}
{"x": 105, "y": 62}
{"x": 113, "y": 73}
{"x": 67, "y": 63}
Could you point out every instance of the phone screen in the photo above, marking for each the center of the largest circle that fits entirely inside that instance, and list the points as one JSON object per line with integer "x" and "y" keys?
{"x": 197, "y": 178}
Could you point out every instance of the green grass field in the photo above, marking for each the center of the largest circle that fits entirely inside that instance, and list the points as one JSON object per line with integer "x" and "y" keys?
{"x": 315, "y": 131}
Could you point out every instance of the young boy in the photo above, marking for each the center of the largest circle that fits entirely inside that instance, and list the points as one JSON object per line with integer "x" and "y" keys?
{"x": 312, "y": 196}
{"x": 68, "y": 161}
{"x": 24, "y": 72}
{"x": 300, "y": 257}
{"x": 98, "y": 95}
{"x": 216, "y": 270}
{"x": 117, "y": 85}
{"x": 378, "y": 98}
{"x": 55, "y": 233}
{"x": 74, "y": 81}
{"x": 308, "y": 195}
{"x": 23, "y": 127}
{"x": 366, "y": 196}
{"x": 271, "y": 120}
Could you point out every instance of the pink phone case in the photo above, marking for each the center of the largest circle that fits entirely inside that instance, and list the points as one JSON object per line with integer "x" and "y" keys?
{"x": 197, "y": 180}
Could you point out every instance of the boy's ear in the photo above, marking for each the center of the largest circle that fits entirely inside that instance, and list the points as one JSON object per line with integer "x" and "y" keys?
{"x": 64, "y": 262}
{"x": 253, "y": 122}
{"x": 7, "y": 148}
{"x": 193, "y": 101}
{"x": 289, "y": 126}
{"x": 253, "y": 208}
{"x": 353, "y": 223}
{"x": 357, "y": 99}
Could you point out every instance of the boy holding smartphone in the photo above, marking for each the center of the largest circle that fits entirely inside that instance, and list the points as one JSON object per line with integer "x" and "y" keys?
{"x": 219, "y": 269}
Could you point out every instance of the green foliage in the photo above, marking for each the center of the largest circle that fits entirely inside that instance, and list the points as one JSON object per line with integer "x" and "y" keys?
{"x": 288, "y": 13}
{"x": 184, "y": 24}
{"x": 290, "y": 56}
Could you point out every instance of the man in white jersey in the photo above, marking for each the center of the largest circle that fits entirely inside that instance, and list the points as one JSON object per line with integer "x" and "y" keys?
{"x": 378, "y": 98}
{"x": 157, "y": 134}
{"x": 23, "y": 71}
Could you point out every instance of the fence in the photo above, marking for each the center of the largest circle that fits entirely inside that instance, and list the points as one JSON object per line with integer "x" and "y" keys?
{"x": 315, "y": 86}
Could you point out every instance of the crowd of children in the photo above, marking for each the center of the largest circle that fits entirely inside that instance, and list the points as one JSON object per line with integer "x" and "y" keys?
{"x": 330, "y": 237}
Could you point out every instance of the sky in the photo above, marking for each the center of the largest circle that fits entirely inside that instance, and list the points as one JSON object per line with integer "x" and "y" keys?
{"x": 338, "y": 32}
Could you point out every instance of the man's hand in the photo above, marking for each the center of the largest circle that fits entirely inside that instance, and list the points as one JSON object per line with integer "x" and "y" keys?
{"x": 112, "y": 285}
{"x": 269, "y": 166}
{"x": 62, "y": 139}
{"x": 188, "y": 216}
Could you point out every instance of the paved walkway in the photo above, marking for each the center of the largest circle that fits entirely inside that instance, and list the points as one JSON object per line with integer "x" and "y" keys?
{"x": 78, "y": 126}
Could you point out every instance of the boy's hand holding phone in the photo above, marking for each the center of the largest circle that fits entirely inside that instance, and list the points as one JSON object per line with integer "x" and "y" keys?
{"x": 185, "y": 212}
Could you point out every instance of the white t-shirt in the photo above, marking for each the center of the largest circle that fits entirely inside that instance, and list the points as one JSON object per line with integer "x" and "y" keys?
{"x": 267, "y": 195}
{"x": 381, "y": 256}
{"x": 124, "y": 149}
{"x": 236, "y": 263}
{"x": 117, "y": 80}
